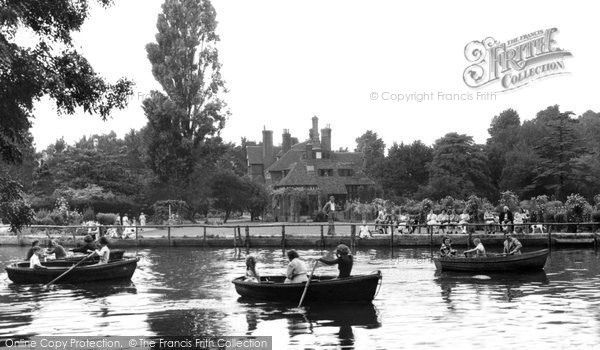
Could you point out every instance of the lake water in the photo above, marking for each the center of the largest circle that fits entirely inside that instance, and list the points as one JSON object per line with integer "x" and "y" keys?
{"x": 185, "y": 291}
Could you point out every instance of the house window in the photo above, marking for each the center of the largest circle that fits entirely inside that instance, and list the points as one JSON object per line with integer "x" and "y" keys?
{"x": 346, "y": 172}
{"x": 325, "y": 172}
{"x": 318, "y": 155}
{"x": 310, "y": 169}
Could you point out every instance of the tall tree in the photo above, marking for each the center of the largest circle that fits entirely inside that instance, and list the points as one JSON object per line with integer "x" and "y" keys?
{"x": 504, "y": 135}
{"x": 372, "y": 148}
{"x": 459, "y": 168}
{"x": 184, "y": 120}
{"x": 558, "y": 150}
{"x": 49, "y": 66}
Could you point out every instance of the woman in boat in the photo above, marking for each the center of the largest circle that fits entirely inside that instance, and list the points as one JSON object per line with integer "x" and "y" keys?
{"x": 31, "y": 250}
{"x": 104, "y": 252}
{"x": 344, "y": 260}
{"x": 34, "y": 261}
{"x": 364, "y": 230}
{"x": 479, "y": 249}
{"x": 251, "y": 274}
{"x": 446, "y": 248}
{"x": 56, "y": 249}
{"x": 89, "y": 245}
{"x": 296, "y": 270}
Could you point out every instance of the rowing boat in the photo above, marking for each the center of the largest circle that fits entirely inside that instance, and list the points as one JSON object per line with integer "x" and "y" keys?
{"x": 523, "y": 262}
{"x": 360, "y": 288}
{"x": 87, "y": 272}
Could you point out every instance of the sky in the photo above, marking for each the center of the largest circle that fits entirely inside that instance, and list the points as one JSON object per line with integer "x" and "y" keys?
{"x": 343, "y": 61}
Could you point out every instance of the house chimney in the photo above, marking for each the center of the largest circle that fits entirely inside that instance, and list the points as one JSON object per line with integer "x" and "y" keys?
{"x": 309, "y": 151}
{"x": 326, "y": 138}
{"x": 267, "y": 147}
{"x": 314, "y": 132}
{"x": 286, "y": 143}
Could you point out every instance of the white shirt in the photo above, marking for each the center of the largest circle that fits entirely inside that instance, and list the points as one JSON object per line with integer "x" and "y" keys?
{"x": 364, "y": 231}
{"x": 34, "y": 261}
{"x": 296, "y": 271}
{"x": 104, "y": 254}
{"x": 332, "y": 206}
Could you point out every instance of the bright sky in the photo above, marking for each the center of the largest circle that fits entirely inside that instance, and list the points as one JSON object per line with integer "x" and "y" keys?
{"x": 285, "y": 61}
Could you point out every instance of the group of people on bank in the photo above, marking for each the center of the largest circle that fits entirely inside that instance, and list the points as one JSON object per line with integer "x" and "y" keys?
{"x": 512, "y": 246}
{"x": 297, "y": 270}
{"x": 36, "y": 253}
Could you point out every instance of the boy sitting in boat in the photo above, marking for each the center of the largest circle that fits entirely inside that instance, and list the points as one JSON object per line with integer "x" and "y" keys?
{"x": 344, "y": 260}
{"x": 479, "y": 249}
{"x": 512, "y": 246}
{"x": 34, "y": 261}
{"x": 446, "y": 248}
{"x": 104, "y": 252}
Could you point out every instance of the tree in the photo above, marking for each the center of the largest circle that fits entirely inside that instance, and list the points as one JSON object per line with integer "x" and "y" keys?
{"x": 51, "y": 67}
{"x": 557, "y": 149}
{"x": 404, "y": 169}
{"x": 459, "y": 168}
{"x": 504, "y": 135}
{"x": 185, "y": 119}
{"x": 256, "y": 198}
{"x": 227, "y": 191}
{"x": 373, "y": 150}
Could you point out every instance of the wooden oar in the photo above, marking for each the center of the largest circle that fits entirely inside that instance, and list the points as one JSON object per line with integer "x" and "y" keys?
{"x": 69, "y": 270}
{"x": 307, "y": 283}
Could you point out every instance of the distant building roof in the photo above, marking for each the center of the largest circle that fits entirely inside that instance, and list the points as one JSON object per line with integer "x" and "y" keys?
{"x": 255, "y": 154}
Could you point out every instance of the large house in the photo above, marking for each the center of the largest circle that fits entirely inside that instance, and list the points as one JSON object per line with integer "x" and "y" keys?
{"x": 310, "y": 165}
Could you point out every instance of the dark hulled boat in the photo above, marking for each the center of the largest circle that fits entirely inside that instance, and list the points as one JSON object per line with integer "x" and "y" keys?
{"x": 87, "y": 272}
{"x": 524, "y": 262}
{"x": 360, "y": 288}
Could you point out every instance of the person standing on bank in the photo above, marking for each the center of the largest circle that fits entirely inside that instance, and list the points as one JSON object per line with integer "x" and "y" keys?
{"x": 329, "y": 209}
{"x": 507, "y": 219}
{"x": 344, "y": 260}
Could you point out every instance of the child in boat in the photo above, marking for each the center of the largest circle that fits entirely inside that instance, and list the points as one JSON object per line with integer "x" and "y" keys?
{"x": 34, "y": 261}
{"x": 446, "y": 248}
{"x": 296, "y": 270}
{"x": 251, "y": 274}
{"x": 479, "y": 249}
{"x": 104, "y": 252}
{"x": 344, "y": 260}
{"x": 31, "y": 250}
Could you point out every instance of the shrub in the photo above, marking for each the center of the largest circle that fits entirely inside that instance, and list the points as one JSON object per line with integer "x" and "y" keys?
{"x": 596, "y": 216}
{"x": 548, "y": 217}
{"x": 560, "y": 217}
{"x": 106, "y": 218}
{"x": 88, "y": 214}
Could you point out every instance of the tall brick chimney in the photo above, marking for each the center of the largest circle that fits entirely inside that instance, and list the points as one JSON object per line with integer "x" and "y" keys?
{"x": 326, "y": 138}
{"x": 314, "y": 132}
{"x": 268, "y": 155}
{"x": 286, "y": 142}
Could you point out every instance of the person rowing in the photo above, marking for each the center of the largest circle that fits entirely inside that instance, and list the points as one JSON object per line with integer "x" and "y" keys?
{"x": 344, "y": 260}
{"x": 479, "y": 249}
{"x": 56, "y": 249}
{"x": 512, "y": 246}
{"x": 89, "y": 245}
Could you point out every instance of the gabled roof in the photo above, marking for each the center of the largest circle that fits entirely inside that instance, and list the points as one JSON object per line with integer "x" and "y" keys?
{"x": 285, "y": 162}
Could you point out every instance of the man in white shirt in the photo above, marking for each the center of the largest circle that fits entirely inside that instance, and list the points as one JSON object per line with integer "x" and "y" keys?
{"x": 329, "y": 209}
{"x": 34, "y": 261}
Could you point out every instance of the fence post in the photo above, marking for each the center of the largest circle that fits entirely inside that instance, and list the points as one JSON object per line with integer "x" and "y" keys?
{"x": 391, "y": 236}
{"x": 234, "y": 238}
{"x": 169, "y": 234}
{"x": 204, "y": 239}
{"x": 353, "y": 235}
{"x": 549, "y": 239}
{"x": 283, "y": 236}
{"x": 247, "y": 236}
{"x": 136, "y": 233}
{"x": 322, "y": 237}
{"x": 430, "y": 238}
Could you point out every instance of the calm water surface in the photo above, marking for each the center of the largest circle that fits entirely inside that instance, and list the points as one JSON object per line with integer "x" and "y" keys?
{"x": 188, "y": 291}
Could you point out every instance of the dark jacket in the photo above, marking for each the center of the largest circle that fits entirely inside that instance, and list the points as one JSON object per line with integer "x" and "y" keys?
{"x": 58, "y": 251}
{"x": 84, "y": 249}
{"x": 508, "y": 215}
{"x": 344, "y": 263}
